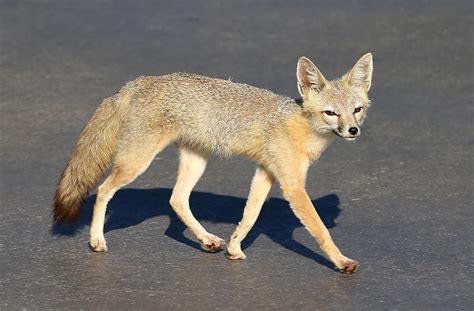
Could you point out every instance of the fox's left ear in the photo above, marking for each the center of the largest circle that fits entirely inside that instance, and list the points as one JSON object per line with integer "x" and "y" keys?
{"x": 361, "y": 74}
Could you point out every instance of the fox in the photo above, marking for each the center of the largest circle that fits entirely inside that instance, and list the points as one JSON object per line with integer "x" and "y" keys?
{"x": 203, "y": 116}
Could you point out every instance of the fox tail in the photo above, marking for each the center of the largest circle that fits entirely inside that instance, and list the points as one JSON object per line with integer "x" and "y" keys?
{"x": 91, "y": 157}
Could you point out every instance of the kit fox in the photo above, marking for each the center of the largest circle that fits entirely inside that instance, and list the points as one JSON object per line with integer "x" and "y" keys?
{"x": 202, "y": 115}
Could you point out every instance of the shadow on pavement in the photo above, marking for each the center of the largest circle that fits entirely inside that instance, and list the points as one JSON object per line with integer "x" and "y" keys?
{"x": 130, "y": 207}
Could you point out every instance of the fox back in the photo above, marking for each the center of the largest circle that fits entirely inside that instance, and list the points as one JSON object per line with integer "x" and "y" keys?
{"x": 216, "y": 115}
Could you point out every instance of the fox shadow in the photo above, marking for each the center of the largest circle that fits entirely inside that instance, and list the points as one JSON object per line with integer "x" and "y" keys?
{"x": 130, "y": 207}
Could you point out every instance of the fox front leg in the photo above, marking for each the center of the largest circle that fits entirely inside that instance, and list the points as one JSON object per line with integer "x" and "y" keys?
{"x": 261, "y": 185}
{"x": 304, "y": 210}
{"x": 292, "y": 177}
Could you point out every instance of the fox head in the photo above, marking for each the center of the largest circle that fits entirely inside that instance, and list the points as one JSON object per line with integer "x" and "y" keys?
{"x": 337, "y": 106}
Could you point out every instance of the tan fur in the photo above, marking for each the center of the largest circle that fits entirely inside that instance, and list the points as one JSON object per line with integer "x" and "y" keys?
{"x": 201, "y": 116}
{"x": 261, "y": 185}
{"x": 91, "y": 157}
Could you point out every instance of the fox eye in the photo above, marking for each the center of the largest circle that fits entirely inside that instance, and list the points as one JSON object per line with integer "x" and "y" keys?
{"x": 330, "y": 113}
{"x": 359, "y": 109}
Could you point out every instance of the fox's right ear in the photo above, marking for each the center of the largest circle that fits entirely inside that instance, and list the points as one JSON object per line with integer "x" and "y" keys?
{"x": 309, "y": 77}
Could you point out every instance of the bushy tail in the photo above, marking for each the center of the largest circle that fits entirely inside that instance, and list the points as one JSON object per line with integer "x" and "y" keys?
{"x": 91, "y": 157}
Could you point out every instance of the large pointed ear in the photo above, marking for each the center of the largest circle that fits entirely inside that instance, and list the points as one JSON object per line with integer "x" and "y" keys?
{"x": 361, "y": 74}
{"x": 309, "y": 77}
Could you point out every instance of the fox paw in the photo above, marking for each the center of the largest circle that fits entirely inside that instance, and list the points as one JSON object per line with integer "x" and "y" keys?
{"x": 348, "y": 266}
{"x": 98, "y": 244}
{"x": 234, "y": 252}
{"x": 212, "y": 243}
{"x": 235, "y": 256}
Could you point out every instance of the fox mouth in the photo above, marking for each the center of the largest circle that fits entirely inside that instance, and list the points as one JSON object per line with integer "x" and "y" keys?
{"x": 349, "y": 138}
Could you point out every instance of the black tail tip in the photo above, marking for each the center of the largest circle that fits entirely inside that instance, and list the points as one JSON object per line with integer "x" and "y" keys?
{"x": 64, "y": 219}
{"x": 65, "y": 213}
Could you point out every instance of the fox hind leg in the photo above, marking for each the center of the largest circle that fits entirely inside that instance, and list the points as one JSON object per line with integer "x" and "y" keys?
{"x": 191, "y": 167}
{"x": 129, "y": 163}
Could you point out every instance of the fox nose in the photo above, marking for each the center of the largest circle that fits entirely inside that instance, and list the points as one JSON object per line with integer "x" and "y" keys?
{"x": 353, "y": 130}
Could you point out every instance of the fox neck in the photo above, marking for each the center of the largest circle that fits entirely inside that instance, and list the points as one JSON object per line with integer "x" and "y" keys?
{"x": 319, "y": 144}
{"x": 311, "y": 141}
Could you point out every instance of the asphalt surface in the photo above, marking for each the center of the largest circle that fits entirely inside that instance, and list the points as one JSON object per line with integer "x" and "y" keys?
{"x": 399, "y": 199}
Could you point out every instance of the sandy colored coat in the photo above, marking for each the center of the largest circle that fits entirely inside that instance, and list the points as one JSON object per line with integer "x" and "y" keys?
{"x": 204, "y": 116}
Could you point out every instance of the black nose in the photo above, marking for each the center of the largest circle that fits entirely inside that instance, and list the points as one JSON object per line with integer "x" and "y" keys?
{"x": 353, "y": 130}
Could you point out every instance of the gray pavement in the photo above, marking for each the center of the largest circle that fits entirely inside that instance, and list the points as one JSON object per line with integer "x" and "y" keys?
{"x": 399, "y": 199}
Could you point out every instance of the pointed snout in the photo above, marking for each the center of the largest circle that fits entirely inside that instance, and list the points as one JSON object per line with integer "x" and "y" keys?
{"x": 348, "y": 126}
{"x": 349, "y": 133}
